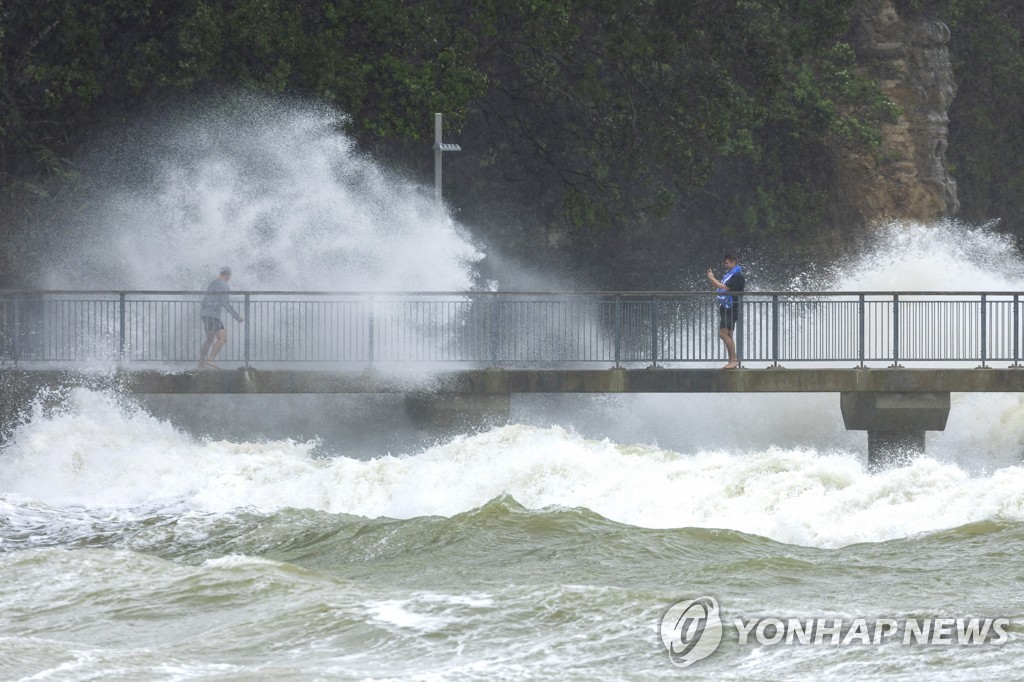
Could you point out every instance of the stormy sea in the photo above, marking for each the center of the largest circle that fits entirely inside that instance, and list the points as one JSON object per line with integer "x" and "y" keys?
{"x": 263, "y": 538}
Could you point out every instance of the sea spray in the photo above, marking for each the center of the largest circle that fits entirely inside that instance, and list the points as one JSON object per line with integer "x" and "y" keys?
{"x": 945, "y": 256}
{"x": 274, "y": 188}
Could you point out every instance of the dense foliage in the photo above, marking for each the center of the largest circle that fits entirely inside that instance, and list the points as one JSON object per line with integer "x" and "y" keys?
{"x": 69, "y": 63}
{"x": 637, "y": 105}
{"x": 986, "y": 131}
{"x": 627, "y": 108}
{"x": 624, "y": 111}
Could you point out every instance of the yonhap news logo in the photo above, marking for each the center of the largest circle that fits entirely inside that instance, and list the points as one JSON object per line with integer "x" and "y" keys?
{"x": 692, "y": 630}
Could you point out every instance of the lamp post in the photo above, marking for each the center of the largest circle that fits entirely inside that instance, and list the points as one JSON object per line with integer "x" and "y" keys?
{"x": 439, "y": 149}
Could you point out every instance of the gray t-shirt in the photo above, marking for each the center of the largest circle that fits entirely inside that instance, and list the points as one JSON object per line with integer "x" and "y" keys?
{"x": 216, "y": 298}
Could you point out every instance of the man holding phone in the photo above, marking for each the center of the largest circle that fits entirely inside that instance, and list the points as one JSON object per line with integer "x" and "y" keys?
{"x": 728, "y": 304}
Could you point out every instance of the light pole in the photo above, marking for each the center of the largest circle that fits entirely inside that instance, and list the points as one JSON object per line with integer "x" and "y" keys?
{"x": 440, "y": 148}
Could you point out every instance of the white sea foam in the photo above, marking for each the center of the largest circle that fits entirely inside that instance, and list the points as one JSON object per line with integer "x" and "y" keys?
{"x": 103, "y": 455}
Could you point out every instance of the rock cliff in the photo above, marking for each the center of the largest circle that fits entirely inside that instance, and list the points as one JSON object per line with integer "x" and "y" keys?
{"x": 908, "y": 178}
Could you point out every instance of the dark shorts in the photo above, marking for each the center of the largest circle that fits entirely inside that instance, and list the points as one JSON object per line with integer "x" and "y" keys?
{"x": 727, "y": 317}
{"x": 212, "y": 325}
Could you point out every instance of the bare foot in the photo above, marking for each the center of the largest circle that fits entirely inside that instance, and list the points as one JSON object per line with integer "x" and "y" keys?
{"x": 732, "y": 365}
{"x": 210, "y": 365}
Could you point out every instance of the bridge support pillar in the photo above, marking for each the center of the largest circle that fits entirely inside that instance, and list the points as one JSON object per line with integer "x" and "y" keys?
{"x": 458, "y": 411}
{"x": 895, "y": 422}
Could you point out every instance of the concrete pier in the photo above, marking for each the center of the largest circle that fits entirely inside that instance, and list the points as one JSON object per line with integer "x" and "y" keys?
{"x": 457, "y": 411}
{"x": 896, "y": 421}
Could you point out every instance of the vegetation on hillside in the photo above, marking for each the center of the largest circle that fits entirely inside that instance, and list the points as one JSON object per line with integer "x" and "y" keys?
{"x": 629, "y": 110}
{"x": 986, "y": 135}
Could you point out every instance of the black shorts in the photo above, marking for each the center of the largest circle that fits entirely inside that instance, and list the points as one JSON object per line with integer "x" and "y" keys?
{"x": 727, "y": 317}
{"x": 212, "y": 325}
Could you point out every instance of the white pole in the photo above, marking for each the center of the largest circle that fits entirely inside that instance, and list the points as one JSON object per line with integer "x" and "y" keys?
{"x": 440, "y": 148}
{"x": 437, "y": 156}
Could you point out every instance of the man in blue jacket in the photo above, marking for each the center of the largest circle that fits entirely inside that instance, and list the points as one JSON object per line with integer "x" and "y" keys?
{"x": 729, "y": 305}
{"x": 216, "y": 298}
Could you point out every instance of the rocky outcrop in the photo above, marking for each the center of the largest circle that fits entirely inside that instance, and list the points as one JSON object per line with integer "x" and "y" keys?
{"x": 908, "y": 178}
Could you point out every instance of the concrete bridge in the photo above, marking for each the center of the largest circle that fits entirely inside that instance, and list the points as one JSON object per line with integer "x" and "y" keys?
{"x": 893, "y": 358}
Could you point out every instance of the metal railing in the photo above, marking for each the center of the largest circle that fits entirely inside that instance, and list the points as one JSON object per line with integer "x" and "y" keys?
{"x": 536, "y": 329}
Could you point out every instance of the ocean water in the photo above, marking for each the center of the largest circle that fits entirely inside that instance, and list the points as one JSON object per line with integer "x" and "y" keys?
{"x": 132, "y": 549}
{"x": 139, "y": 541}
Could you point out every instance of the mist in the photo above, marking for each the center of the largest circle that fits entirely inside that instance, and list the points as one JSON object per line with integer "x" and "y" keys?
{"x": 276, "y": 189}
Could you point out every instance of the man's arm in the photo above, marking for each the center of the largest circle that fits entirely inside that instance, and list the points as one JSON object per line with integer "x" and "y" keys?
{"x": 231, "y": 309}
{"x": 715, "y": 282}
{"x": 225, "y": 299}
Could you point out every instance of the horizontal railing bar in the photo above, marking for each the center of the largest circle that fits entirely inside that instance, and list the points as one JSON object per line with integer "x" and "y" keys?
{"x": 702, "y": 294}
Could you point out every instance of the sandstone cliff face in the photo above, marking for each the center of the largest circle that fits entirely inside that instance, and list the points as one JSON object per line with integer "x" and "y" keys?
{"x": 908, "y": 178}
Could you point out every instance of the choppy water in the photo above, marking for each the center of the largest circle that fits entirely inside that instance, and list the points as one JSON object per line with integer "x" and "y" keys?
{"x": 130, "y": 549}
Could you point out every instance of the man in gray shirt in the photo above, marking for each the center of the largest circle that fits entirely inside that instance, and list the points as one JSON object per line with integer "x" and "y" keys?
{"x": 216, "y": 298}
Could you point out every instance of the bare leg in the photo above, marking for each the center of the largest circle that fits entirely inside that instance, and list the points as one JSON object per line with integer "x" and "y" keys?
{"x": 205, "y": 349}
{"x": 218, "y": 344}
{"x": 730, "y": 348}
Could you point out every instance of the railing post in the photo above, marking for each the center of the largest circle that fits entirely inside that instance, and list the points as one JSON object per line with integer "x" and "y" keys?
{"x": 862, "y": 331}
{"x": 1016, "y": 330}
{"x": 738, "y": 340}
{"x": 984, "y": 328}
{"x": 16, "y": 350}
{"x": 618, "y": 329}
{"x": 121, "y": 314}
{"x": 493, "y": 320}
{"x": 245, "y": 328}
{"x": 775, "y": 330}
{"x": 895, "y": 330}
{"x": 654, "y": 331}
{"x": 369, "y": 341}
